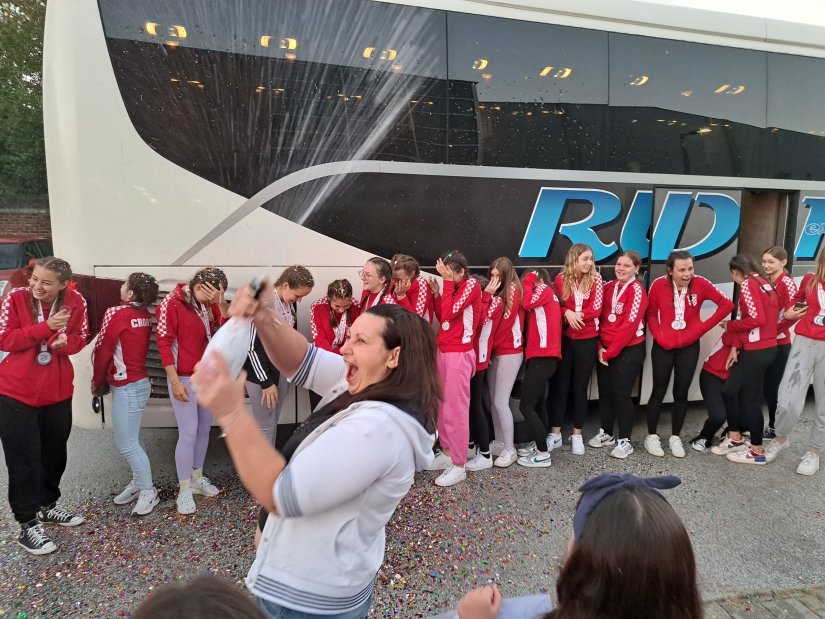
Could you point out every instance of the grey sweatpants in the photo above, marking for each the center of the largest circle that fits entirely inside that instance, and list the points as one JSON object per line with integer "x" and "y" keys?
{"x": 267, "y": 418}
{"x": 807, "y": 359}
{"x": 501, "y": 376}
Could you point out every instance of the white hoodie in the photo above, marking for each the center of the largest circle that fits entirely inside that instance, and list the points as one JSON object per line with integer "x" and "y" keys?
{"x": 322, "y": 551}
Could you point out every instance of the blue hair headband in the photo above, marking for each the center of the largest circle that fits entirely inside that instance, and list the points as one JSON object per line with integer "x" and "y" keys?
{"x": 594, "y": 490}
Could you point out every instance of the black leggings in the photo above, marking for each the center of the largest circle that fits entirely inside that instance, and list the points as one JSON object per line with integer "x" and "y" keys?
{"x": 479, "y": 429}
{"x": 575, "y": 369}
{"x": 743, "y": 392}
{"x": 533, "y": 405}
{"x": 616, "y": 382}
{"x": 712, "y": 386}
{"x": 773, "y": 376}
{"x": 681, "y": 362}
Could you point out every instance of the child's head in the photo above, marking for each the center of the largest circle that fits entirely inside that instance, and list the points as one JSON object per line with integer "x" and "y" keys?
{"x": 458, "y": 264}
{"x": 213, "y": 276}
{"x": 204, "y": 597}
{"x": 339, "y": 295}
{"x": 140, "y": 289}
{"x": 294, "y": 284}
{"x": 404, "y": 267}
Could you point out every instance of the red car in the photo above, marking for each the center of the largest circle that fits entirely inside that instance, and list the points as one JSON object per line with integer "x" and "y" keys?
{"x": 16, "y": 254}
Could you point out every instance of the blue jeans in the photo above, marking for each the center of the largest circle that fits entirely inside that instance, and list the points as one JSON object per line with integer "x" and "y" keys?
{"x": 276, "y": 611}
{"x": 128, "y": 402}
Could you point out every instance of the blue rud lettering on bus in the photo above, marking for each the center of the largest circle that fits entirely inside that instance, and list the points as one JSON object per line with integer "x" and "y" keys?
{"x": 547, "y": 214}
{"x": 548, "y": 211}
{"x": 675, "y": 213}
{"x": 812, "y": 231}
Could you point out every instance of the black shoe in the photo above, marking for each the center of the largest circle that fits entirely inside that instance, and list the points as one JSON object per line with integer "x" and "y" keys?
{"x": 55, "y": 515}
{"x": 769, "y": 433}
{"x": 34, "y": 540}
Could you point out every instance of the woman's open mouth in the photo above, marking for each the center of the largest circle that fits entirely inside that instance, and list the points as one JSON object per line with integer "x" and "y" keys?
{"x": 351, "y": 372}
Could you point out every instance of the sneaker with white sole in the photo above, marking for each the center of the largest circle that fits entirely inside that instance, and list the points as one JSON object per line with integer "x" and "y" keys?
{"x": 451, "y": 476}
{"x": 623, "y": 449}
{"x": 602, "y": 439}
{"x": 496, "y": 447}
{"x": 472, "y": 450}
{"x": 147, "y": 499}
{"x": 727, "y": 446}
{"x": 809, "y": 464}
{"x": 129, "y": 494}
{"x": 577, "y": 441}
{"x": 554, "y": 441}
{"x": 748, "y": 456}
{"x": 34, "y": 540}
{"x": 202, "y": 486}
{"x": 536, "y": 460}
{"x": 676, "y": 446}
{"x": 479, "y": 463}
{"x": 773, "y": 448}
{"x": 439, "y": 463}
{"x": 699, "y": 444}
{"x": 507, "y": 457}
{"x": 654, "y": 446}
{"x": 55, "y": 515}
{"x": 526, "y": 449}
{"x": 186, "y": 502}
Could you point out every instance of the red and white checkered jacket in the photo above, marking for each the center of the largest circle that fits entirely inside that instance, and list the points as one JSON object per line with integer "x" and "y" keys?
{"x": 460, "y": 314}
{"x": 591, "y": 308}
{"x": 756, "y": 318}
{"x": 787, "y": 290}
{"x": 543, "y": 318}
{"x": 629, "y": 326}
{"x": 324, "y": 335}
{"x": 119, "y": 356}
{"x": 508, "y": 336}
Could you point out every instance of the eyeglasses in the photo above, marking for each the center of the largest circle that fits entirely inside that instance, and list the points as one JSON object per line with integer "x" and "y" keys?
{"x": 363, "y": 274}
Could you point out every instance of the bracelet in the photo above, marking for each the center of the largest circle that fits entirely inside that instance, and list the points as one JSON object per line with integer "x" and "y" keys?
{"x": 177, "y": 382}
{"x": 231, "y": 421}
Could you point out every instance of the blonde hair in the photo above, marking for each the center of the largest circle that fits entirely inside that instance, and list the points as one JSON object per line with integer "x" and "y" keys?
{"x": 819, "y": 274}
{"x": 571, "y": 272}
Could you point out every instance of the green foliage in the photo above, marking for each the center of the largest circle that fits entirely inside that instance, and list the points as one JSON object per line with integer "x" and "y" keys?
{"x": 22, "y": 153}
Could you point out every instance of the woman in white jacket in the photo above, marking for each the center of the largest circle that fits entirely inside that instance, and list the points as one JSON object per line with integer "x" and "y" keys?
{"x": 323, "y": 542}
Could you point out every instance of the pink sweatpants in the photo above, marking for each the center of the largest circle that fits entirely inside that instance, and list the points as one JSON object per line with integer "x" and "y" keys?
{"x": 455, "y": 369}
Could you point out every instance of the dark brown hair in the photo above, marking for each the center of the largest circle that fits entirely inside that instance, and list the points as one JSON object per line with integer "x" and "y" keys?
{"x": 144, "y": 287}
{"x": 415, "y": 380}
{"x": 508, "y": 278}
{"x": 777, "y": 251}
{"x": 636, "y": 259}
{"x": 63, "y": 270}
{"x": 338, "y": 289}
{"x": 204, "y": 597}
{"x": 297, "y": 277}
{"x": 634, "y": 559}
{"x": 210, "y": 275}
{"x": 456, "y": 261}
{"x": 383, "y": 267}
{"x": 406, "y": 263}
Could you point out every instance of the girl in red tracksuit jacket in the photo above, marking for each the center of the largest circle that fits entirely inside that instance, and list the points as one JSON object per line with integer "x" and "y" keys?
{"x": 119, "y": 361}
{"x": 712, "y": 378}
{"x": 40, "y": 327}
{"x": 774, "y": 260}
{"x": 755, "y": 327}
{"x": 508, "y": 354}
{"x": 542, "y": 351}
{"x": 579, "y": 286}
{"x": 459, "y": 316}
{"x": 409, "y": 288}
{"x": 188, "y": 317}
{"x": 674, "y": 319}
{"x": 621, "y": 353}
{"x": 483, "y": 345}
{"x": 376, "y": 278}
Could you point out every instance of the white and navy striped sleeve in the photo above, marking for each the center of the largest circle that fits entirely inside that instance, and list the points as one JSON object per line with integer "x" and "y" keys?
{"x": 320, "y": 370}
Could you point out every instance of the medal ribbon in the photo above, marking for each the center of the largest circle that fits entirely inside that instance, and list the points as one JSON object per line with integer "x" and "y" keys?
{"x": 578, "y": 297}
{"x": 44, "y": 347}
{"x": 820, "y": 293}
{"x": 617, "y": 294}
{"x": 340, "y": 331}
{"x": 679, "y": 302}
{"x": 284, "y": 310}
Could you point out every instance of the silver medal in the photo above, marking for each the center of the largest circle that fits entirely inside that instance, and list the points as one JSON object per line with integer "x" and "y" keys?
{"x": 819, "y": 321}
{"x": 445, "y": 325}
{"x": 678, "y": 325}
{"x": 44, "y": 358}
{"x": 611, "y": 318}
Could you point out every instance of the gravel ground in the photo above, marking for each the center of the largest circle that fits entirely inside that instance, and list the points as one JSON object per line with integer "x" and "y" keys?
{"x": 508, "y": 526}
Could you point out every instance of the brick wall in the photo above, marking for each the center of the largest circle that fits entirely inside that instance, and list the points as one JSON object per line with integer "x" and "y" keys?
{"x": 25, "y": 216}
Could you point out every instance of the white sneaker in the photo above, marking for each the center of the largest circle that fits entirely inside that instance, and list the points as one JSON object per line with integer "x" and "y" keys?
{"x": 809, "y": 464}
{"x": 451, "y": 476}
{"x": 602, "y": 439}
{"x": 700, "y": 444}
{"x": 129, "y": 494}
{"x": 536, "y": 460}
{"x": 479, "y": 463}
{"x": 527, "y": 449}
{"x": 623, "y": 449}
{"x": 496, "y": 448}
{"x": 728, "y": 446}
{"x": 186, "y": 502}
{"x": 676, "y": 447}
{"x": 773, "y": 448}
{"x": 578, "y": 444}
{"x": 472, "y": 450}
{"x": 554, "y": 441}
{"x": 507, "y": 457}
{"x": 654, "y": 446}
{"x": 439, "y": 463}
{"x": 146, "y": 502}
{"x": 202, "y": 486}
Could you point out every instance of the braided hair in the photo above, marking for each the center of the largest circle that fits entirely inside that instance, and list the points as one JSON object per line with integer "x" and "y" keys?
{"x": 144, "y": 288}
{"x": 339, "y": 289}
{"x": 63, "y": 270}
